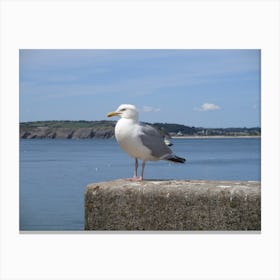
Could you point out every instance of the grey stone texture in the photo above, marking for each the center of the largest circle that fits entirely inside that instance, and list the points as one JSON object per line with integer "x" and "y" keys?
{"x": 173, "y": 205}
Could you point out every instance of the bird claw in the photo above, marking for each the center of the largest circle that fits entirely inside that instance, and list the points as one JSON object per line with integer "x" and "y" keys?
{"x": 135, "y": 179}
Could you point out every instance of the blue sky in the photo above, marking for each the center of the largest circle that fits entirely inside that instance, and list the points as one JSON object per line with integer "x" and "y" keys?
{"x": 209, "y": 88}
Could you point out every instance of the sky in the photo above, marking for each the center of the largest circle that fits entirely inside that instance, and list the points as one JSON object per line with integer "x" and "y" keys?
{"x": 202, "y": 88}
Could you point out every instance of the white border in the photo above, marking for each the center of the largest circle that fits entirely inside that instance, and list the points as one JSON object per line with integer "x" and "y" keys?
{"x": 153, "y": 24}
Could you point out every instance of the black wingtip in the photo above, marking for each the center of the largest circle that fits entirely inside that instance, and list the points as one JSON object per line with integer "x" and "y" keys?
{"x": 177, "y": 159}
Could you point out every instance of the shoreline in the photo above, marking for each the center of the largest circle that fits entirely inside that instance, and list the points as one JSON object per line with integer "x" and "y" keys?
{"x": 173, "y": 137}
{"x": 213, "y": 136}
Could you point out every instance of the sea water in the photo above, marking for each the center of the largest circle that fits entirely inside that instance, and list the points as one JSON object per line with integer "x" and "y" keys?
{"x": 54, "y": 173}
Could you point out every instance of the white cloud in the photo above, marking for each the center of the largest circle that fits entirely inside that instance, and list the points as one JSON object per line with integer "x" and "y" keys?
{"x": 208, "y": 107}
{"x": 150, "y": 109}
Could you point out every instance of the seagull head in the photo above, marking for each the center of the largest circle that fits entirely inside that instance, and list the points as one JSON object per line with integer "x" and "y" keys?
{"x": 125, "y": 111}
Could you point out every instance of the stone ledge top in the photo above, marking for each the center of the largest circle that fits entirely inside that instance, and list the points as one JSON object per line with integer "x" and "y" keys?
{"x": 179, "y": 186}
{"x": 176, "y": 183}
{"x": 173, "y": 205}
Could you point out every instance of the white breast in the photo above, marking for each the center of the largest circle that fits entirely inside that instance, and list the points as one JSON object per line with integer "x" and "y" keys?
{"x": 127, "y": 135}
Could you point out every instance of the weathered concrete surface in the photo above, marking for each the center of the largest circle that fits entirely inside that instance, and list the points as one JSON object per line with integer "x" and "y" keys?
{"x": 173, "y": 205}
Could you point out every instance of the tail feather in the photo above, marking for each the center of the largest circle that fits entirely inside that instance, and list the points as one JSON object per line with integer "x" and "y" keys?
{"x": 174, "y": 158}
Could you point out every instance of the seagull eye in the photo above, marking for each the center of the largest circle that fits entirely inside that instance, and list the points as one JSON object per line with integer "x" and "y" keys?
{"x": 122, "y": 110}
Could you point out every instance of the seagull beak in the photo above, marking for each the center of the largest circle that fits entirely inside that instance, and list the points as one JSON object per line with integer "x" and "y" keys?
{"x": 111, "y": 114}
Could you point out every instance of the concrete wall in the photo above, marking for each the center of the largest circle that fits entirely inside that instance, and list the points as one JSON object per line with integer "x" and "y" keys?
{"x": 173, "y": 205}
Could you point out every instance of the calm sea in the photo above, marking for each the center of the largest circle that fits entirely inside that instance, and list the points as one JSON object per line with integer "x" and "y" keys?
{"x": 54, "y": 173}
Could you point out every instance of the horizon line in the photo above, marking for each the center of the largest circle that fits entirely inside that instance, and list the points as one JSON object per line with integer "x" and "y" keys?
{"x": 140, "y": 122}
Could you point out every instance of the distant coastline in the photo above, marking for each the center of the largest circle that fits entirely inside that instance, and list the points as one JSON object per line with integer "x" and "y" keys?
{"x": 105, "y": 129}
{"x": 213, "y": 136}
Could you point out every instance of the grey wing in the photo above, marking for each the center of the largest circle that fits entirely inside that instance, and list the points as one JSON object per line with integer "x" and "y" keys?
{"x": 154, "y": 141}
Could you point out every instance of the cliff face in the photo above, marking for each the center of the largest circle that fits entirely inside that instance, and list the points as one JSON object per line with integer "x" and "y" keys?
{"x": 105, "y": 129}
{"x": 66, "y": 133}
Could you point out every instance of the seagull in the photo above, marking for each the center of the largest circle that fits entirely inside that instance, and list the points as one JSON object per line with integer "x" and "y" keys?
{"x": 140, "y": 141}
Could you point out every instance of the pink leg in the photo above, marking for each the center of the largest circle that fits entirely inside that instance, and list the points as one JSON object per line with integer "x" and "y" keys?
{"x": 135, "y": 178}
{"x": 142, "y": 173}
{"x": 135, "y": 168}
